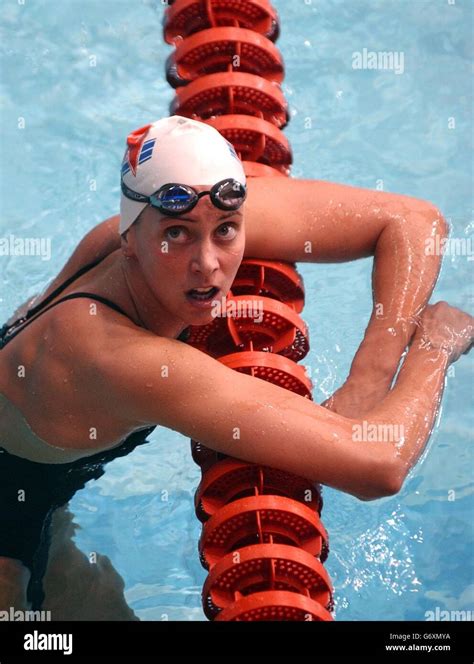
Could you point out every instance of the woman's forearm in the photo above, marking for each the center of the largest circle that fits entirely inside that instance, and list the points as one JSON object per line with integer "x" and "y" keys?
{"x": 411, "y": 406}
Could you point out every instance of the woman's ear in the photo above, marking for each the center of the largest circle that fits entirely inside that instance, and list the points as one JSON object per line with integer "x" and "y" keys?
{"x": 129, "y": 239}
{"x": 126, "y": 247}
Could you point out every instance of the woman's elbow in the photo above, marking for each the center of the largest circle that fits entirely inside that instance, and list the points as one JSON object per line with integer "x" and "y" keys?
{"x": 389, "y": 489}
{"x": 387, "y": 482}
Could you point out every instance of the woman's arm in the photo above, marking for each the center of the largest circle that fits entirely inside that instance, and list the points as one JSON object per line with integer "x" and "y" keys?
{"x": 317, "y": 221}
{"x": 403, "y": 277}
{"x": 166, "y": 382}
{"x": 444, "y": 334}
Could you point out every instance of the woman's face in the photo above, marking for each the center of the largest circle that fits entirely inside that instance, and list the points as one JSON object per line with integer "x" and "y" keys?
{"x": 201, "y": 248}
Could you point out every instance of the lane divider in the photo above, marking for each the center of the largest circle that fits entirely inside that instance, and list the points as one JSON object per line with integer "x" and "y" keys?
{"x": 262, "y": 541}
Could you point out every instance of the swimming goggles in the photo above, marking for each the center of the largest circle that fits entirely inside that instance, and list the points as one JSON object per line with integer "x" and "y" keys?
{"x": 173, "y": 199}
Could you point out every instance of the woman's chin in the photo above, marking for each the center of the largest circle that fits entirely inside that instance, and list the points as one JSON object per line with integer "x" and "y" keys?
{"x": 197, "y": 317}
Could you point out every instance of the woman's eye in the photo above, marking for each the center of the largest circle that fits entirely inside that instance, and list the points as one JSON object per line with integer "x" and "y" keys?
{"x": 228, "y": 235}
{"x": 174, "y": 232}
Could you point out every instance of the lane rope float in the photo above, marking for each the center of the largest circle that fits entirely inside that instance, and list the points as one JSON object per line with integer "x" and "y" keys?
{"x": 262, "y": 541}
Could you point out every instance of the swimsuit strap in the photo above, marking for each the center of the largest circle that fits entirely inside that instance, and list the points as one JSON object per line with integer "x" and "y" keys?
{"x": 59, "y": 289}
{"x": 7, "y": 333}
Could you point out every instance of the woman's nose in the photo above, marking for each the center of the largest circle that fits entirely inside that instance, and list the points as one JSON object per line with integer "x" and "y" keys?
{"x": 205, "y": 260}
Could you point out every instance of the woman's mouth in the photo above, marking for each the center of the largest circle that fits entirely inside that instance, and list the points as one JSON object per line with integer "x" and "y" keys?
{"x": 202, "y": 296}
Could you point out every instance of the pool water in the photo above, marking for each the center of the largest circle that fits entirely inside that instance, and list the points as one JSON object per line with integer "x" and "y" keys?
{"x": 76, "y": 78}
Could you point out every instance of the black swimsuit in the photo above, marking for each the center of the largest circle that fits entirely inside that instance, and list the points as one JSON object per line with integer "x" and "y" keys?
{"x": 25, "y": 518}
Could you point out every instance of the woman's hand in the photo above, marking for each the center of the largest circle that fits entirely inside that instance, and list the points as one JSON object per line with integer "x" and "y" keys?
{"x": 445, "y": 328}
{"x": 440, "y": 326}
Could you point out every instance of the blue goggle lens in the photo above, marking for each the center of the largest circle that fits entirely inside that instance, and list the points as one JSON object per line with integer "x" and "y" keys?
{"x": 175, "y": 199}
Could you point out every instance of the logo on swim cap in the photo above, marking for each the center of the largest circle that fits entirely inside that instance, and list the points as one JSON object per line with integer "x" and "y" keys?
{"x": 231, "y": 149}
{"x": 138, "y": 151}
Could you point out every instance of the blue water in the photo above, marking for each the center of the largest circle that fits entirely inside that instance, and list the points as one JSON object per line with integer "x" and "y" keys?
{"x": 391, "y": 559}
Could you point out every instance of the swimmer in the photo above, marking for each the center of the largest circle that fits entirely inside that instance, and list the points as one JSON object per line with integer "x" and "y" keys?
{"x": 90, "y": 367}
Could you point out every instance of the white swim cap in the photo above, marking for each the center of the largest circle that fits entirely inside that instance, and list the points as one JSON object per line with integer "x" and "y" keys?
{"x": 174, "y": 149}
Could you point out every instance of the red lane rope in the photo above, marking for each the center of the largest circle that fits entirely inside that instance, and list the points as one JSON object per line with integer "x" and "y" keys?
{"x": 262, "y": 541}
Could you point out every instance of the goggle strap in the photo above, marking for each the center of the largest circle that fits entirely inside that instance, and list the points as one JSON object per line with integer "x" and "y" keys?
{"x": 134, "y": 195}
{"x": 141, "y": 198}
